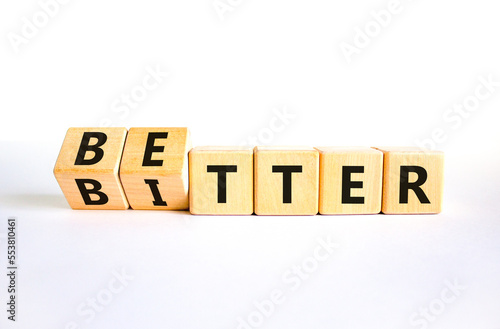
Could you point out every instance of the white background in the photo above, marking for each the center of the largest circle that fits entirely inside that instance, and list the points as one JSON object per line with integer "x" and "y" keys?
{"x": 229, "y": 73}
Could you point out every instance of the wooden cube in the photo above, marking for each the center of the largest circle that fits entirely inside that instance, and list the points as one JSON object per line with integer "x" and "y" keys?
{"x": 154, "y": 168}
{"x": 350, "y": 180}
{"x": 286, "y": 180}
{"x": 221, "y": 180}
{"x": 87, "y": 168}
{"x": 413, "y": 180}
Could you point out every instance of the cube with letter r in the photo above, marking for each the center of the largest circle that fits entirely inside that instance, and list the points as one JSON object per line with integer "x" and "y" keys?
{"x": 413, "y": 180}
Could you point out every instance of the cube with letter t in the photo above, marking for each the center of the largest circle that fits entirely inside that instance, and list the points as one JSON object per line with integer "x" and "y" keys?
{"x": 87, "y": 168}
{"x": 286, "y": 180}
{"x": 154, "y": 168}
{"x": 221, "y": 180}
{"x": 413, "y": 180}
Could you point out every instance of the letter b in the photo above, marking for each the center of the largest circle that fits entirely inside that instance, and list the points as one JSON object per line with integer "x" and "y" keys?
{"x": 96, "y": 148}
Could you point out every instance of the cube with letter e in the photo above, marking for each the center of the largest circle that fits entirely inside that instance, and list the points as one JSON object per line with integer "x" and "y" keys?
{"x": 350, "y": 180}
{"x": 154, "y": 168}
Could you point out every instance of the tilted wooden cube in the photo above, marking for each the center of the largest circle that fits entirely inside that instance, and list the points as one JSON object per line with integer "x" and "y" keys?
{"x": 154, "y": 168}
{"x": 413, "y": 180}
{"x": 87, "y": 168}
{"x": 286, "y": 180}
{"x": 221, "y": 180}
{"x": 350, "y": 180}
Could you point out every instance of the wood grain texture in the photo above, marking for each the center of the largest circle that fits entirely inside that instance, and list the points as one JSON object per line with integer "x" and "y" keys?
{"x": 431, "y": 161}
{"x": 105, "y": 171}
{"x": 171, "y": 174}
{"x": 204, "y": 186}
{"x": 269, "y": 196}
{"x": 331, "y": 163}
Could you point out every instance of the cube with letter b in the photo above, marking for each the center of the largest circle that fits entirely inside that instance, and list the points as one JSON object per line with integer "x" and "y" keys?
{"x": 87, "y": 168}
{"x": 154, "y": 168}
{"x": 350, "y": 180}
{"x": 413, "y": 180}
{"x": 221, "y": 180}
{"x": 286, "y": 180}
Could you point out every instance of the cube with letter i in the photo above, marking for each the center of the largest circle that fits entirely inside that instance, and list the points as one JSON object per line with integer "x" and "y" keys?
{"x": 87, "y": 168}
{"x": 286, "y": 180}
{"x": 413, "y": 180}
{"x": 154, "y": 168}
{"x": 221, "y": 180}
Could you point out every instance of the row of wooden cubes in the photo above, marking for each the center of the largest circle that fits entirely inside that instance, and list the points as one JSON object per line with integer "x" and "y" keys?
{"x": 155, "y": 168}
